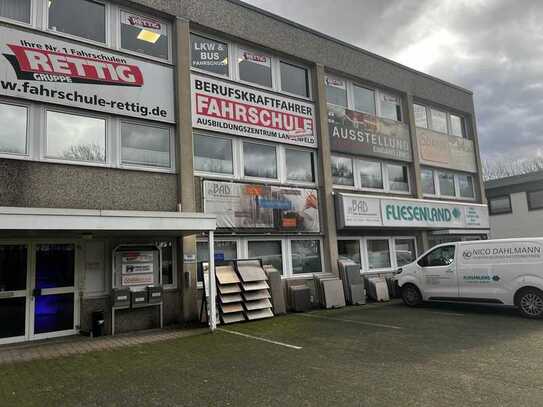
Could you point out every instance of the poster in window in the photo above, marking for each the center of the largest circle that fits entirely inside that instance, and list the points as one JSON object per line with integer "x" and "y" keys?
{"x": 208, "y": 53}
{"x": 444, "y": 151}
{"x": 365, "y": 134}
{"x": 255, "y": 58}
{"x": 249, "y": 206}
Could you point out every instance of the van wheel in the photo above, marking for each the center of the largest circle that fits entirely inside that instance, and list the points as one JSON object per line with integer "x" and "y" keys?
{"x": 530, "y": 303}
{"x": 411, "y": 295}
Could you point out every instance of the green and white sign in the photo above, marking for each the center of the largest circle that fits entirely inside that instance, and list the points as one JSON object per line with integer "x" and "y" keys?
{"x": 421, "y": 214}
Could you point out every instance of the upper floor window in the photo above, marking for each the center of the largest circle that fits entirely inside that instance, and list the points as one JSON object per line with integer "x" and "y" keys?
{"x": 390, "y": 107}
{"x": 209, "y": 55}
{"x": 364, "y": 99}
{"x": 255, "y": 67}
{"x": 145, "y": 145}
{"x": 439, "y": 120}
{"x": 336, "y": 91}
{"x": 13, "y": 129}
{"x": 447, "y": 184}
{"x": 294, "y": 79}
{"x": 82, "y": 18}
{"x": 259, "y": 160}
{"x": 144, "y": 35}
{"x": 500, "y": 204}
{"x": 16, "y": 10}
{"x": 421, "y": 118}
{"x": 457, "y": 126}
{"x": 213, "y": 154}
{"x": 299, "y": 164}
{"x": 342, "y": 171}
{"x": 535, "y": 199}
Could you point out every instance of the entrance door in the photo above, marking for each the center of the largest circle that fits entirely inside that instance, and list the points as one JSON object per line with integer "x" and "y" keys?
{"x": 13, "y": 292}
{"x": 53, "y": 299}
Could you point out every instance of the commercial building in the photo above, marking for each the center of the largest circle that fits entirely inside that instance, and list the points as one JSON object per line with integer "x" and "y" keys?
{"x": 126, "y": 127}
{"x": 515, "y": 205}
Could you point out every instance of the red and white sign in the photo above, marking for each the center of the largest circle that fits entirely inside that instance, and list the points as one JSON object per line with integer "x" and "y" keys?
{"x": 137, "y": 279}
{"x": 61, "y": 72}
{"x": 146, "y": 23}
{"x": 259, "y": 59}
{"x": 227, "y": 108}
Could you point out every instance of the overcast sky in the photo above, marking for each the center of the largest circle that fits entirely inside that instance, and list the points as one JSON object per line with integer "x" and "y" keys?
{"x": 493, "y": 47}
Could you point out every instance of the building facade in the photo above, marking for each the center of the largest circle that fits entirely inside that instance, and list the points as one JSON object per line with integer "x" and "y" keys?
{"x": 304, "y": 148}
{"x": 515, "y": 205}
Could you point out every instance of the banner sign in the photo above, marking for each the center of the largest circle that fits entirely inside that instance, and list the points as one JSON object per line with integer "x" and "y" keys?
{"x": 248, "y": 206}
{"x": 504, "y": 252}
{"x": 364, "y": 134}
{"x": 49, "y": 70}
{"x": 441, "y": 150}
{"x": 233, "y": 109}
{"x": 359, "y": 210}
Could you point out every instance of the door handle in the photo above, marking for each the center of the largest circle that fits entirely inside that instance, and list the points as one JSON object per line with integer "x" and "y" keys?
{"x": 36, "y": 292}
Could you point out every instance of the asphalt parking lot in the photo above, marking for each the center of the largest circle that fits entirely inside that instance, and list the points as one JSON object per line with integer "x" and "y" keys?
{"x": 374, "y": 355}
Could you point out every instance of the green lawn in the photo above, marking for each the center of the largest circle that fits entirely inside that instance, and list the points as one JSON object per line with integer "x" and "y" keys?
{"x": 432, "y": 356}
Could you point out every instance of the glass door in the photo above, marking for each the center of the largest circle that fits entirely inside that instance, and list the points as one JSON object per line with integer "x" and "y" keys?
{"x": 13, "y": 292}
{"x": 53, "y": 290}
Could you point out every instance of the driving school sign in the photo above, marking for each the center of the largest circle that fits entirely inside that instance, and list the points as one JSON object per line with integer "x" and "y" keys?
{"x": 228, "y": 108}
{"x": 44, "y": 69}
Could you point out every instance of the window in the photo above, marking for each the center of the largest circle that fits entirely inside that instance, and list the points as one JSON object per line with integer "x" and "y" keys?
{"x": 398, "y": 177}
{"x": 390, "y": 107}
{"x": 306, "y": 256}
{"x": 83, "y": 18}
{"x": 465, "y": 186}
{"x": 364, "y": 100}
{"x": 428, "y": 184}
{"x": 209, "y": 55}
{"x": 442, "y": 256}
{"x": 255, "y": 67}
{"x": 378, "y": 254}
{"x": 439, "y": 120}
{"x": 294, "y": 79}
{"x": 269, "y": 251}
{"x": 500, "y": 204}
{"x": 299, "y": 165}
{"x": 224, "y": 251}
{"x": 342, "y": 171}
{"x": 260, "y": 160}
{"x": 75, "y": 138}
{"x": 144, "y": 35}
{"x": 535, "y": 199}
{"x": 13, "y": 133}
{"x": 457, "y": 126}
{"x": 406, "y": 251}
{"x": 446, "y": 184}
{"x": 166, "y": 250}
{"x": 421, "y": 119}
{"x": 349, "y": 249}
{"x": 213, "y": 154}
{"x": 371, "y": 175}
{"x": 16, "y": 10}
{"x": 336, "y": 91}
{"x": 145, "y": 145}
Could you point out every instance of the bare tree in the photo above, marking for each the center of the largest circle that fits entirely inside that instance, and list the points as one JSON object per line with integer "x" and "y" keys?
{"x": 85, "y": 152}
{"x": 502, "y": 168}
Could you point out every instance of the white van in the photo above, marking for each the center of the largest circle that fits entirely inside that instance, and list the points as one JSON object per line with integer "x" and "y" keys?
{"x": 505, "y": 272}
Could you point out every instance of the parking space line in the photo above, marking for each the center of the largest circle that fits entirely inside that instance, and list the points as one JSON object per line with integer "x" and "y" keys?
{"x": 260, "y": 339}
{"x": 453, "y": 314}
{"x": 352, "y": 321}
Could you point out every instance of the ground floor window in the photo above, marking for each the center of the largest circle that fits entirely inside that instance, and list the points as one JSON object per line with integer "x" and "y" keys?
{"x": 378, "y": 253}
{"x": 292, "y": 256}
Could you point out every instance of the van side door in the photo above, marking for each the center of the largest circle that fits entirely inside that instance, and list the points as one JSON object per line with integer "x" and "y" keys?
{"x": 438, "y": 273}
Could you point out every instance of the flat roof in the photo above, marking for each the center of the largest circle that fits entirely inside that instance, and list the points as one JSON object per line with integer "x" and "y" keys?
{"x": 514, "y": 180}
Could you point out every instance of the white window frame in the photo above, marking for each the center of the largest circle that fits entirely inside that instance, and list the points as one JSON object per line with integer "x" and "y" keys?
{"x": 172, "y": 286}
{"x": 30, "y": 110}
{"x": 354, "y": 187}
{"x": 457, "y": 196}
{"x": 107, "y": 136}
{"x": 116, "y": 15}
{"x": 289, "y": 256}
{"x": 283, "y": 152}
{"x": 107, "y": 22}
{"x": 33, "y": 16}
{"x": 448, "y": 119}
{"x": 352, "y": 102}
{"x": 278, "y": 166}
{"x": 279, "y": 239}
{"x": 234, "y": 50}
{"x": 239, "y": 251}
{"x": 235, "y": 159}
{"x": 126, "y": 166}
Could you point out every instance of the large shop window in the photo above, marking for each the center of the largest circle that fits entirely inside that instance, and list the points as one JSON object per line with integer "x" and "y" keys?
{"x": 269, "y": 251}
{"x": 145, "y": 145}
{"x": 406, "y": 251}
{"x": 350, "y": 250}
{"x": 364, "y": 99}
{"x": 13, "y": 129}
{"x": 378, "y": 254}
{"x": 209, "y": 55}
{"x": 342, "y": 171}
{"x": 535, "y": 199}
{"x": 500, "y": 204}
{"x": 299, "y": 165}
{"x": 213, "y": 154}
{"x": 16, "y": 10}
{"x": 255, "y": 67}
{"x": 76, "y": 138}
{"x": 306, "y": 256}
{"x": 336, "y": 91}
{"x": 82, "y": 18}
{"x": 260, "y": 160}
{"x": 294, "y": 79}
{"x": 144, "y": 35}
{"x": 224, "y": 251}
